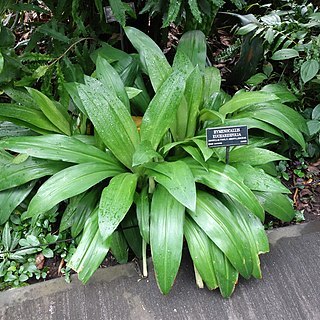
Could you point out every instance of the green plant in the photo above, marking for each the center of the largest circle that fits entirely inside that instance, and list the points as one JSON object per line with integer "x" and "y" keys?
{"x": 290, "y": 32}
{"x": 191, "y": 14}
{"x": 160, "y": 183}
{"x": 24, "y": 248}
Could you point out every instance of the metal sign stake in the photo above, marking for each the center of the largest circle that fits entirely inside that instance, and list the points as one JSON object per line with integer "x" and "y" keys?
{"x": 227, "y": 154}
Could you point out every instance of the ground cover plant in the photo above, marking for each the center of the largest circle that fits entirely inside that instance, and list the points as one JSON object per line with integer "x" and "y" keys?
{"x": 130, "y": 167}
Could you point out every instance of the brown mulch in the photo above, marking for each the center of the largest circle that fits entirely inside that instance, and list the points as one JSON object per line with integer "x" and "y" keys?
{"x": 306, "y": 193}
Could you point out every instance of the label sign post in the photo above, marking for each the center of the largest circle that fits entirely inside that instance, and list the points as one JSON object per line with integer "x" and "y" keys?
{"x": 226, "y": 137}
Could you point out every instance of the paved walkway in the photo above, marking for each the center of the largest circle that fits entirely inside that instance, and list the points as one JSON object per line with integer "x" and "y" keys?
{"x": 289, "y": 290}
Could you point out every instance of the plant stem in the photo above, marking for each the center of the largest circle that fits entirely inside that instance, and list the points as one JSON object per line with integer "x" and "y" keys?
{"x": 144, "y": 259}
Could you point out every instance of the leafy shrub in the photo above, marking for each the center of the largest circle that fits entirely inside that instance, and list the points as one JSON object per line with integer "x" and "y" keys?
{"x": 191, "y": 14}
{"x": 157, "y": 183}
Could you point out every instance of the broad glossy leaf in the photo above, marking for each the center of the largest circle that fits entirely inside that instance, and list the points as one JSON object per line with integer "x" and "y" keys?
{"x": 66, "y": 184}
{"x": 119, "y": 247}
{"x": 254, "y": 231}
{"x": 32, "y": 118}
{"x": 245, "y": 99}
{"x": 227, "y": 275}
{"x": 130, "y": 228}
{"x": 295, "y": 117}
{"x": 111, "y": 80}
{"x": 177, "y": 178}
{"x": 143, "y": 213}
{"x": 222, "y": 228}
{"x": 182, "y": 63}
{"x": 214, "y": 117}
{"x": 253, "y": 123}
{"x": 212, "y": 82}
{"x": 51, "y": 111}
{"x": 144, "y": 153}
{"x": 178, "y": 127}
{"x": 226, "y": 179}
{"x": 78, "y": 211}
{"x": 11, "y": 198}
{"x": 115, "y": 202}
{"x": 196, "y": 155}
{"x": 141, "y": 101}
{"x": 74, "y": 94}
{"x": 205, "y": 150}
{"x": 284, "y": 54}
{"x": 166, "y": 237}
{"x": 199, "y": 246}
{"x": 277, "y": 204}
{"x": 281, "y": 92}
{"x": 13, "y": 175}
{"x": 9, "y": 129}
{"x": 256, "y": 141}
{"x": 162, "y": 109}
{"x": 112, "y": 121}
{"x": 132, "y": 92}
{"x": 256, "y": 179}
{"x": 91, "y": 250}
{"x": 193, "y": 94}
{"x": 254, "y": 156}
{"x": 193, "y": 44}
{"x": 59, "y": 147}
{"x": 151, "y": 56}
{"x": 309, "y": 70}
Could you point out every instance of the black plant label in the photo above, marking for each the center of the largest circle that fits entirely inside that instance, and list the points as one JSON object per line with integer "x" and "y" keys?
{"x": 227, "y": 136}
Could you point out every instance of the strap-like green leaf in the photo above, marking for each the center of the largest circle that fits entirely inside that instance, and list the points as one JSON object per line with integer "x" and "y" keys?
{"x": 116, "y": 200}
{"x": 13, "y": 175}
{"x": 91, "y": 250}
{"x": 112, "y": 121}
{"x": 222, "y": 228}
{"x": 11, "y": 198}
{"x": 111, "y": 80}
{"x": 196, "y": 155}
{"x": 58, "y": 147}
{"x": 257, "y": 179}
{"x": 281, "y": 92}
{"x": 227, "y": 275}
{"x": 277, "y": 204}
{"x": 254, "y": 231}
{"x": 199, "y": 246}
{"x": 143, "y": 213}
{"x": 119, "y": 247}
{"x": 131, "y": 232}
{"x": 78, "y": 211}
{"x": 68, "y": 183}
{"x": 253, "y": 123}
{"x": 144, "y": 153}
{"x": 151, "y": 56}
{"x": 193, "y": 95}
{"x": 166, "y": 237}
{"x": 212, "y": 82}
{"x": 193, "y": 44}
{"x": 51, "y": 111}
{"x": 177, "y": 178}
{"x": 254, "y": 156}
{"x": 226, "y": 179}
{"x": 162, "y": 109}
{"x": 244, "y": 99}
{"x": 32, "y": 118}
